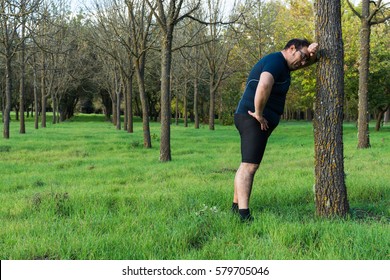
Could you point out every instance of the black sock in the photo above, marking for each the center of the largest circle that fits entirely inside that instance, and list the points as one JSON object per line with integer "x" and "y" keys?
{"x": 235, "y": 207}
{"x": 244, "y": 213}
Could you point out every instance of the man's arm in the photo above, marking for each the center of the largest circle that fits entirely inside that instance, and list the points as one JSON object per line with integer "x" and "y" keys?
{"x": 263, "y": 91}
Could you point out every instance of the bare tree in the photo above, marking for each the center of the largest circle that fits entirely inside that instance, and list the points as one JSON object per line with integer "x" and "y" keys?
{"x": 13, "y": 15}
{"x": 187, "y": 64}
{"x": 9, "y": 14}
{"x": 192, "y": 62}
{"x": 368, "y": 17}
{"x": 197, "y": 71}
{"x": 217, "y": 53}
{"x": 140, "y": 19}
{"x": 128, "y": 25}
{"x": 330, "y": 189}
{"x": 23, "y": 9}
{"x": 48, "y": 36}
{"x": 109, "y": 38}
{"x": 167, "y": 16}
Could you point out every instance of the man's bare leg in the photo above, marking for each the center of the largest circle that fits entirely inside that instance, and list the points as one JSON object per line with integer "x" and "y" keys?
{"x": 243, "y": 182}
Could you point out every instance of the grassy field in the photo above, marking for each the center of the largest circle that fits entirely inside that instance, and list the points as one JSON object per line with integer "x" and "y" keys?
{"x": 84, "y": 190}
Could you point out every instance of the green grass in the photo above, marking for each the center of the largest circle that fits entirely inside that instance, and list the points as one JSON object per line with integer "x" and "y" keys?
{"x": 84, "y": 190}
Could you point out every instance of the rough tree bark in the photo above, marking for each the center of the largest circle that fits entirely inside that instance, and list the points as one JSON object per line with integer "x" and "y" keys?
{"x": 330, "y": 189}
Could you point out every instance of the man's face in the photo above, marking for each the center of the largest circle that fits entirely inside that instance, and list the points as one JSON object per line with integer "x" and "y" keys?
{"x": 298, "y": 58}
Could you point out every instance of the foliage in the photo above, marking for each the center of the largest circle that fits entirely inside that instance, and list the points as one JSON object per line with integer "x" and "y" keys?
{"x": 350, "y": 26}
{"x": 379, "y": 89}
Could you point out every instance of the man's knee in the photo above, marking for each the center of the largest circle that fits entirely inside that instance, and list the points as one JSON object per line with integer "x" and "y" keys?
{"x": 250, "y": 168}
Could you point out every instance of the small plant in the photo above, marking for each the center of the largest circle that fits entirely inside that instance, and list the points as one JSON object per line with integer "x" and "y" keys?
{"x": 36, "y": 201}
{"x": 62, "y": 205}
{"x": 39, "y": 183}
{"x": 135, "y": 144}
{"x": 207, "y": 210}
{"x": 5, "y": 149}
{"x": 155, "y": 137}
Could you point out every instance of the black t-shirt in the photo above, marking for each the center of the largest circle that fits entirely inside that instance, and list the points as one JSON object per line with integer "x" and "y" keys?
{"x": 276, "y": 65}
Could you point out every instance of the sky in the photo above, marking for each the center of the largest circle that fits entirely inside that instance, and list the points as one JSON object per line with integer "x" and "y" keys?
{"x": 80, "y": 3}
{"x": 228, "y": 3}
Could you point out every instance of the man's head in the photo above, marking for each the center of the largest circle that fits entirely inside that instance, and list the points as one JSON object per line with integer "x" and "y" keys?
{"x": 296, "y": 53}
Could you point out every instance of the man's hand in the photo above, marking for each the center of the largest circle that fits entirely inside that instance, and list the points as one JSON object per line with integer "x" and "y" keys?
{"x": 263, "y": 122}
{"x": 312, "y": 49}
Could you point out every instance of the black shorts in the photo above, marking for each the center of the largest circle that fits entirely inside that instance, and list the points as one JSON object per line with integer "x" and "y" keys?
{"x": 253, "y": 139}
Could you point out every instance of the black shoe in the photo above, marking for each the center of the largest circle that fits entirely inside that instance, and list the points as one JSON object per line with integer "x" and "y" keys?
{"x": 245, "y": 215}
{"x": 247, "y": 219}
{"x": 234, "y": 208}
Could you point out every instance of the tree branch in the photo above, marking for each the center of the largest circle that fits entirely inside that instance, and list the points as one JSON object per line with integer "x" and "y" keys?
{"x": 378, "y": 8}
{"x": 353, "y": 9}
{"x": 380, "y": 20}
{"x": 211, "y": 23}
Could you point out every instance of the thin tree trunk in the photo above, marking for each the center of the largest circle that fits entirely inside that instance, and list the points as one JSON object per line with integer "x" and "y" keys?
{"x": 379, "y": 118}
{"x": 144, "y": 104}
{"x": 165, "y": 141}
{"x": 114, "y": 112}
{"x": 118, "y": 109}
{"x": 22, "y": 129}
{"x": 212, "y": 103}
{"x": 118, "y": 88}
{"x": 177, "y": 109}
{"x": 330, "y": 189}
{"x": 363, "y": 119}
{"x": 54, "y": 106}
{"x": 387, "y": 116}
{"x": 196, "y": 113}
{"x": 185, "y": 103}
{"x": 43, "y": 91}
{"x": 8, "y": 96}
{"x": 129, "y": 104}
{"x": 177, "y": 113}
{"x": 125, "y": 114}
{"x": 36, "y": 107}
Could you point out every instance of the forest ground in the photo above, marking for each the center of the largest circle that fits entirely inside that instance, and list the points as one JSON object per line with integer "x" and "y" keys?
{"x": 84, "y": 190}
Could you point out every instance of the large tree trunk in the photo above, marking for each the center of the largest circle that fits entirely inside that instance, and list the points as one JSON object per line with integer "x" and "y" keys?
{"x": 165, "y": 142}
{"x": 363, "y": 119}
{"x": 330, "y": 190}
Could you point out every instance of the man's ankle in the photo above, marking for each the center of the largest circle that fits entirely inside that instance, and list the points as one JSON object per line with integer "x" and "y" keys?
{"x": 245, "y": 215}
{"x": 234, "y": 208}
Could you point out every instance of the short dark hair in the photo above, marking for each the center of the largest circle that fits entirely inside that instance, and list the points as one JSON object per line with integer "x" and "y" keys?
{"x": 298, "y": 43}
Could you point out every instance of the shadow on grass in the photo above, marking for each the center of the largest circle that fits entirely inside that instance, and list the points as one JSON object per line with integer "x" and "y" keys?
{"x": 301, "y": 210}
